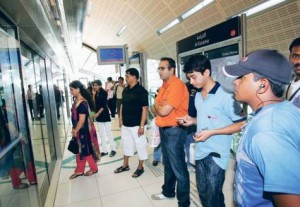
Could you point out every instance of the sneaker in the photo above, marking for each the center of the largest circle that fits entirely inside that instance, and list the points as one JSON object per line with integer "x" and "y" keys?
{"x": 112, "y": 153}
{"x": 160, "y": 196}
{"x": 104, "y": 154}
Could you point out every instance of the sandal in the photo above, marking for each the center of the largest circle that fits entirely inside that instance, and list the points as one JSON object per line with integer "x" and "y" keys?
{"x": 138, "y": 173}
{"x": 75, "y": 175}
{"x": 121, "y": 169}
{"x": 89, "y": 173}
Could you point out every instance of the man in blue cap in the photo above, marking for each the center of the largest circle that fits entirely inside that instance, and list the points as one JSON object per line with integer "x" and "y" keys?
{"x": 268, "y": 167}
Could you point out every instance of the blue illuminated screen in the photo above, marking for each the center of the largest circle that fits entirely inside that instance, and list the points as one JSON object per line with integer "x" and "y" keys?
{"x": 111, "y": 55}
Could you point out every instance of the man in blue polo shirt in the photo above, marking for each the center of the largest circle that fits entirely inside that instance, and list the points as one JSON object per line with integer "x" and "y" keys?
{"x": 268, "y": 167}
{"x": 218, "y": 116}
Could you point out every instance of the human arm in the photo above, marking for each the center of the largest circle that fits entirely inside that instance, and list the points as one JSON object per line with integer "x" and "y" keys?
{"x": 100, "y": 102}
{"x": 162, "y": 110}
{"x": 203, "y": 135}
{"x": 187, "y": 121}
{"x": 286, "y": 200}
{"x": 153, "y": 110}
{"x": 121, "y": 118}
{"x": 79, "y": 124}
{"x": 98, "y": 112}
{"x": 141, "y": 130}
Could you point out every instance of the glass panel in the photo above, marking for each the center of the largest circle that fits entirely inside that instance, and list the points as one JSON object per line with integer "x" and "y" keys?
{"x": 17, "y": 169}
{"x": 36, "y": 116}
{"x": 15, "y": 188}
{"x": 61, "y": 109}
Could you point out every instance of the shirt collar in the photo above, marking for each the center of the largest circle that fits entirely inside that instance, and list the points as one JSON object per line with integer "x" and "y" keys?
{"x": 133, "y": 86}
{"x": 214, "y": 89}
{"x": 166, "y": 83}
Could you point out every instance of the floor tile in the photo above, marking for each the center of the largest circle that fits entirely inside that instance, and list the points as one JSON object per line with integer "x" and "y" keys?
{"x": 133, "y": 198}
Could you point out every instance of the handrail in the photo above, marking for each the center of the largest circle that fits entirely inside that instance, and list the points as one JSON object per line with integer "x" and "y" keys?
{"x": 9, "y": 147}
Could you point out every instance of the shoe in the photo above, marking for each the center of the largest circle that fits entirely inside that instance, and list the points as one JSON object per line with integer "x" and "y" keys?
{"x": 21, "y": 186}
{"x": 155, "y": 163}
{"x": 112, "y": 153}
{"x": 104, "y": 154}
{"x": 121, "y": 169}
{"x": 75, "y": 175}
{"x": 138, "y": 173}
{"x": 160, "y": 196}
{"x": 89, "y": 173}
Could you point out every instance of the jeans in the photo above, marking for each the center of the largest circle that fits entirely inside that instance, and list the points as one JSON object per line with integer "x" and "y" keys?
{"x": 210, "y": 178}
{"x": 175, "y": 169}
{"x": 157, "y": 153}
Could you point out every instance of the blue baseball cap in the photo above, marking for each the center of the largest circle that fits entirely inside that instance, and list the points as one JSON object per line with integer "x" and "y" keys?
{"x": 267, "y": 63}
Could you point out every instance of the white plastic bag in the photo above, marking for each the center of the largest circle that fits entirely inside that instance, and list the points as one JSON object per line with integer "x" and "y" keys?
{"x": 154, "y": 134}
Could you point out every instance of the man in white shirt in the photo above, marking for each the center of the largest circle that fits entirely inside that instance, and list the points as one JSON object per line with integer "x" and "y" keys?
{"x": 293, "y": 90}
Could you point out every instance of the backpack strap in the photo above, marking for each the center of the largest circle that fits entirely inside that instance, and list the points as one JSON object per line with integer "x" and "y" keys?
{"x": 294, "y": 94}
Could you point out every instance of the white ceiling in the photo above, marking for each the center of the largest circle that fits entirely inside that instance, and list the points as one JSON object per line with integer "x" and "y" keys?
{"x": 144, "y": 17}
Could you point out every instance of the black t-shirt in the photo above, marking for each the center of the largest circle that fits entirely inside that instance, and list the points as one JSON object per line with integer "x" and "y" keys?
{"x": 101, "y": 102}
{"x": 134, "y": 99}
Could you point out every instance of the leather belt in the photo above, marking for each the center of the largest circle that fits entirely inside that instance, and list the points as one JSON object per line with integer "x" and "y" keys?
{"x": 168, "y": 127}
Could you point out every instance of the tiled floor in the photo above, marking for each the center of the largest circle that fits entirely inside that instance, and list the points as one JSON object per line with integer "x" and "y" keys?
{"x": 106, "y": 189}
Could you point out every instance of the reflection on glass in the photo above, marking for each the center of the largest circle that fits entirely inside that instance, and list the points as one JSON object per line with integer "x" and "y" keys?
{"x": 17, "y": 171}
{"x": 61, "y": 110}
{"x": 36, "y": 114}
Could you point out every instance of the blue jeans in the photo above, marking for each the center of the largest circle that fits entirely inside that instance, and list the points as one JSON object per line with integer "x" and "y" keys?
{"x": 175, "y": 169}
{"x": 210, "y": 178}
{"x": 157, "y": 153}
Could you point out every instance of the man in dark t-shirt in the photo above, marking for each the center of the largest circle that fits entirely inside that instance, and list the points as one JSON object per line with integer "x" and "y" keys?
{"x": 133, "y": 117}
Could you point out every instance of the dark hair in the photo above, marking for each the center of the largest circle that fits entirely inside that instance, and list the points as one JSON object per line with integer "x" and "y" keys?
{"x": 133, "y": 72}
{"x": 295, "y": 43}
{"x": 109, "y": 78}
{"x": 84, "y": 92}
{"x": 98, "y": 82}
{"x": 121, "y": 78}
{"x": 198, "y": 63}
{"x": 171, "y": 62}
{"x": 277, "y": 88}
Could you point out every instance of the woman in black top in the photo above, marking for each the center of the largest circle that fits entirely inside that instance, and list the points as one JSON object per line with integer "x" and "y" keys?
{"x": 102, "y": 118}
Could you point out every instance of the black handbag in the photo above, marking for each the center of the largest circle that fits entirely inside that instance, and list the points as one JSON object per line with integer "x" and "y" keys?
{"x": 73, "y": 146}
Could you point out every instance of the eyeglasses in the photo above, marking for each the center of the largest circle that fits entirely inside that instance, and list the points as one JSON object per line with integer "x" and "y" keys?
{"x": 161, "y": 68}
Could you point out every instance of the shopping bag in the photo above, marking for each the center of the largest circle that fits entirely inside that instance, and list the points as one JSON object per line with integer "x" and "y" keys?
{"x": 73, "y": 146}
{"x": 154, "y": 134}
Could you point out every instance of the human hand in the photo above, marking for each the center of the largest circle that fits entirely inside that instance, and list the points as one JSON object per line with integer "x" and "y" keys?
{"x": 185, "y": 120}
{"x": 74, "y": 132}
{"x": 140, "y": 131}
{"x": 203, "y": 135}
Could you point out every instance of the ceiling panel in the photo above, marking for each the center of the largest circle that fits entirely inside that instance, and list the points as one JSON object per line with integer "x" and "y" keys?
{"x": 143, "y": 18}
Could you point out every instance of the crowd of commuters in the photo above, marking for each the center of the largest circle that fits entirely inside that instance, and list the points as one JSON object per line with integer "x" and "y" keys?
{"x": 267, "y": 170}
